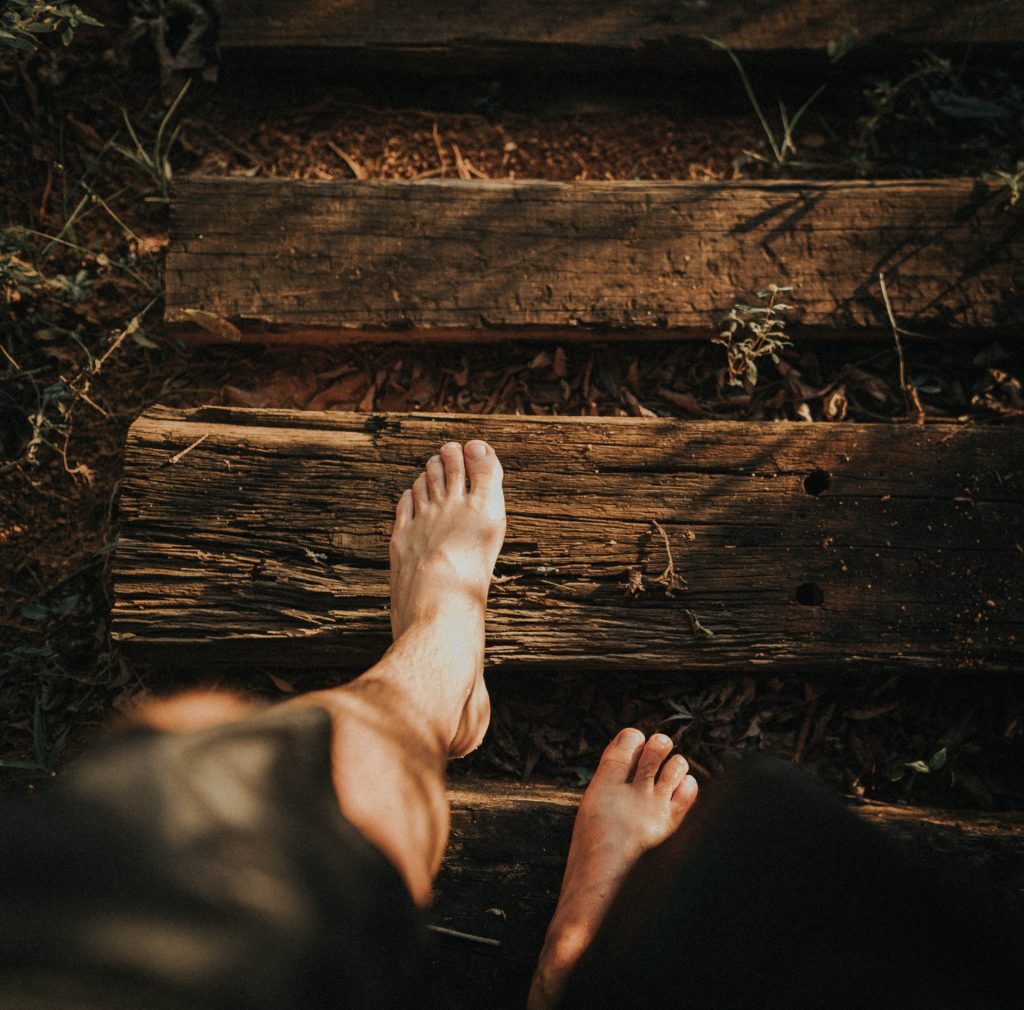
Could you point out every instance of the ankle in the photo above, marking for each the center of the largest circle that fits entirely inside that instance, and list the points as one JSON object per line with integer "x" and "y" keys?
{"x": 557, "y": 960}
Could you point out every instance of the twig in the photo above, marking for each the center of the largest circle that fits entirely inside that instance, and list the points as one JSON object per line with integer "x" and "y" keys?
{"x": 445, "y": 931}
{"x": 696, "y": 627}
{"x": 7, "y": 355}
{"x": 178, "y": 456}
{"x": 911, "y": 401}
{"x": 430, "y": 173}
{"x": 357, "y": 170}
{"x": 896, "y": 337}
{"x": 440, "y": 149}
{"x": 669, "y": 578}
{"x": 460, "y": 164}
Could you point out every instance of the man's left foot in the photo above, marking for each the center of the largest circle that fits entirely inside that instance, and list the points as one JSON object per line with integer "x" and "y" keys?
{"x": 446, "y": 539}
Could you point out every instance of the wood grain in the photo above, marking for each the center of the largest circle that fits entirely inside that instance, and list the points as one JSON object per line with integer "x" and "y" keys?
{"x": 493, "y": 31}
{"x": 626, "y": 256}
{"x": 266, "y": 545}
{"x": 507, "y": 853}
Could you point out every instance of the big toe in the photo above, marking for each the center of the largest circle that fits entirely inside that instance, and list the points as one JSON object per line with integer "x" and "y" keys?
{"x": 618, "y": 762}
{"x": 483, "y": 468}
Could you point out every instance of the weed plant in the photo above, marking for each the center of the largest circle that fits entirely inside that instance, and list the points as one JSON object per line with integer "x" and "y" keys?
{"x": 752, "y": 332}
{"x": 23, "y": 22}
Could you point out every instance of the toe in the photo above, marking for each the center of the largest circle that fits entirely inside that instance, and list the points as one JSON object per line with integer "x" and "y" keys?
{"x": 654, "y": 754}
{"x": 454, "y": 468}
{"x": 619, "y": 759}
{"x": 685, "y": 793}
{"x": 404, "y": 511}
{"x": 435, "y": 477}
{"x": 482, "y": 464}
{"x": 673, "y": 772}
{"x": 420, "y": 493}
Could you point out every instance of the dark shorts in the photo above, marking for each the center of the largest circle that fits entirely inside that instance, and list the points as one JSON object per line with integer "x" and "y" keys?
{"x": 207, "y": 869}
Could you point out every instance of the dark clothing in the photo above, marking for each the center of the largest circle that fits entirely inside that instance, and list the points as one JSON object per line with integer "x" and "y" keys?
{"x": 214, "y": 870}
{"x": 774, "y": 895}
{"x": 208, "y": 869}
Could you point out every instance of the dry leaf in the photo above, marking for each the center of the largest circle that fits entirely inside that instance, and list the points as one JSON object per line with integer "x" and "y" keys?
{"x": 559, "y": 366}
{"x": 213, "y": 324}
{"x": 636, "y": 407}
{"x": 684, "y": 401}
{"x": 834, "y": 408}
{"x": 366, "y": 403}
{"x": 346, "y": 392}
{"x": 282, "y": 685}
{"x": 238, "y": 397}
{"x": 635, "y": 583}
{"x": 865, "y": 382}
{"x": 796, "y": 387}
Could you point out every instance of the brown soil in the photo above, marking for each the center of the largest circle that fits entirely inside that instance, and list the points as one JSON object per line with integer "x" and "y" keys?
{"x": 65, "y": 408}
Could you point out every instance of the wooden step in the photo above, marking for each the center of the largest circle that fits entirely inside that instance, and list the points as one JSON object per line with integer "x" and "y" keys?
{"x": 466, "y": 37}
{"x": 504, "y": 865}
{"x": 357, "y": 260}
{"x": 260, "y": 538}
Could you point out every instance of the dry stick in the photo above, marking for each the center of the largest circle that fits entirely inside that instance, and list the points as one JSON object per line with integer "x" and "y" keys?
{"x": 444, "y": 931}
{"x": 911, "y": 400}
{"x": 668, "y": 578}
{"x": 6, "y": 354}
{"x": 178, "y": 456}
{"x": 896, "y": 337}
{"x": 440, "y": 149}
{"x": 356, "y": 169}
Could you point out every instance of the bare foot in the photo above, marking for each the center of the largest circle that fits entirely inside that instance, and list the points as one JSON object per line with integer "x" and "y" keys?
{"x": 446, "y": 540}
{"x": 627, "y": 809}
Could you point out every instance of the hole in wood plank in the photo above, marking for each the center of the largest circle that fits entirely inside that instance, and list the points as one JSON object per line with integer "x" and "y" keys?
{"x": 810, "y": 595}
{"x": 817, "y": 481}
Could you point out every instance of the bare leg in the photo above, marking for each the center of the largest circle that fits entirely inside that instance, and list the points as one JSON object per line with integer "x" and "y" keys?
{"x": 396, "y": 726}
{"x": 627, "y": 809}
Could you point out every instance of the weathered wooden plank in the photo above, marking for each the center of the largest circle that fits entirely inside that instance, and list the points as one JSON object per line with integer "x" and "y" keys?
{"x": 507, "y": 853}
{"x": 628, "y": 256}
{"x": 468, "y": 34}
{"x": 266, "y": 544}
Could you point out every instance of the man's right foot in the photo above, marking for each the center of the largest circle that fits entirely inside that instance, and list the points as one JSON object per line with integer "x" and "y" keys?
{"x": 627, "y": 809}
{"x": 446, "y": 540}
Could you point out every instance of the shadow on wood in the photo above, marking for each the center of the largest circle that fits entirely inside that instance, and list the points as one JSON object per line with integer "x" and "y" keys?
{"x": 610, "y": 257}
{"x": 806, "y": 547}
{"x": 504, "y": 864}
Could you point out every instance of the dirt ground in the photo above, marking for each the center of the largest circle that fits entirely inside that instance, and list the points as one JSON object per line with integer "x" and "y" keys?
{"x": 83, "y": 229}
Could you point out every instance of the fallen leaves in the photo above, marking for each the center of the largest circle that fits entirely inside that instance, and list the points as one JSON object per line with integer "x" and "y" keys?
{"x": 222, "y": 329}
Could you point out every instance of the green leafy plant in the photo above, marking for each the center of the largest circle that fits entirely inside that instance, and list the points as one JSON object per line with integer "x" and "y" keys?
{"x": 22, "y": 22}
{"x": 935, "y": 763}
{"x": 155, "y": 160}
{"x": 1013, "y": 181}
{"x": 22, "y": 282}
{"x": 752, "y": 332}
{"x": 46, "y": 755}
{"x": 938, "y": 107}
{"x": 781, "y": 142}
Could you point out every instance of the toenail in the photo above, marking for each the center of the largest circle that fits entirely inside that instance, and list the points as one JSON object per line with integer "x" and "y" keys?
{"x": 435, "y": 459}
{"x": 476, "y": 450}
{"x": 450, "y": 445}
{"x": 630, "y": 738}
{"x": 660, "y": 740}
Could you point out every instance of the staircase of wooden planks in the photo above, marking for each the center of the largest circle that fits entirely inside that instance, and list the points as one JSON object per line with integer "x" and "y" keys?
{"x": 258, "y": 538}
{"x": 467, "y": 37}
